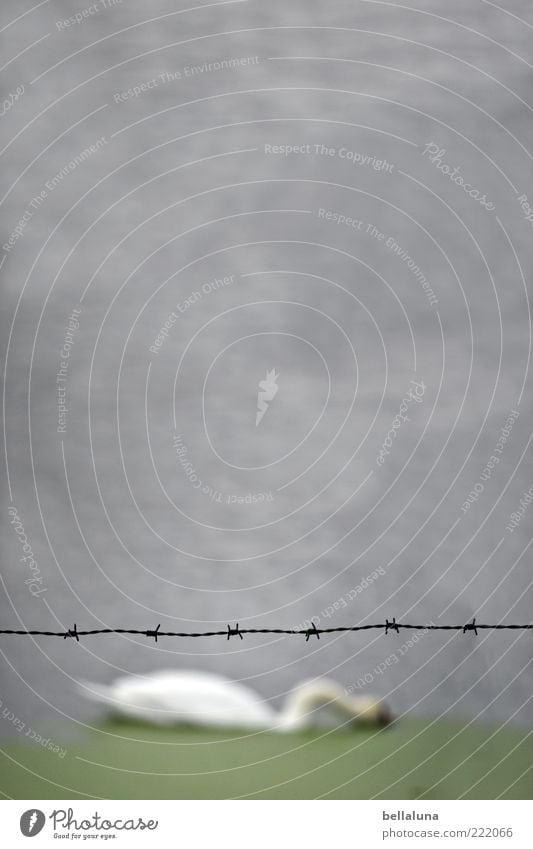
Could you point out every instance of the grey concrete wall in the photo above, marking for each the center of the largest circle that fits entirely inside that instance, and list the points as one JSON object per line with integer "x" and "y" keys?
{"x": 239, "y": 173}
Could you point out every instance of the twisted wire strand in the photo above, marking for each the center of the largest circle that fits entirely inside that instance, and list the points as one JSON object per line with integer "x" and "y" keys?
{"x": 235, "y": 631}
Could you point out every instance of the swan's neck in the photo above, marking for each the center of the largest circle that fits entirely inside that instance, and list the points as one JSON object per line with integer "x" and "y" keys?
{"x": 298, "y": 711}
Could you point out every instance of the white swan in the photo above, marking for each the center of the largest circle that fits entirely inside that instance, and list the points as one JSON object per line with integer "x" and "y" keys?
{"x": 207, "y": 699}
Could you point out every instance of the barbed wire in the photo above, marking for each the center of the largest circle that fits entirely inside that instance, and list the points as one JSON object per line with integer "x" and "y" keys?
{"x": 235, "y": 631}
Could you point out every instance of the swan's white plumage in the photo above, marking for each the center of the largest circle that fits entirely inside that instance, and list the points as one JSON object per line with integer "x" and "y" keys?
{"x": 185, "y": 697}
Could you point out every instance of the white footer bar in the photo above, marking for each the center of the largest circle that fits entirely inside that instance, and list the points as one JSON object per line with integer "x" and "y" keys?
{"x": 264, "y": 824}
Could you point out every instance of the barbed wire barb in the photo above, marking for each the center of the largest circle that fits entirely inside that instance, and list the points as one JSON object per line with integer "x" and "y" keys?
{"x": 471, "y": 626}
{"x": 154, "y": 634}
{"x": 234, "y": 632}
{"x": 71, "y": 633}
{"x": 312, "y": 632}
{"x": 392, "y": 626}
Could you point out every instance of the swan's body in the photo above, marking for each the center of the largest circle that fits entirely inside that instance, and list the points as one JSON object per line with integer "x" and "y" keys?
{"x": 207, "y": 699}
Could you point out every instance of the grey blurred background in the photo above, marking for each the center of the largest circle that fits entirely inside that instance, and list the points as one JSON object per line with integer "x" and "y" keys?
{"x": 184, "y": 191}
